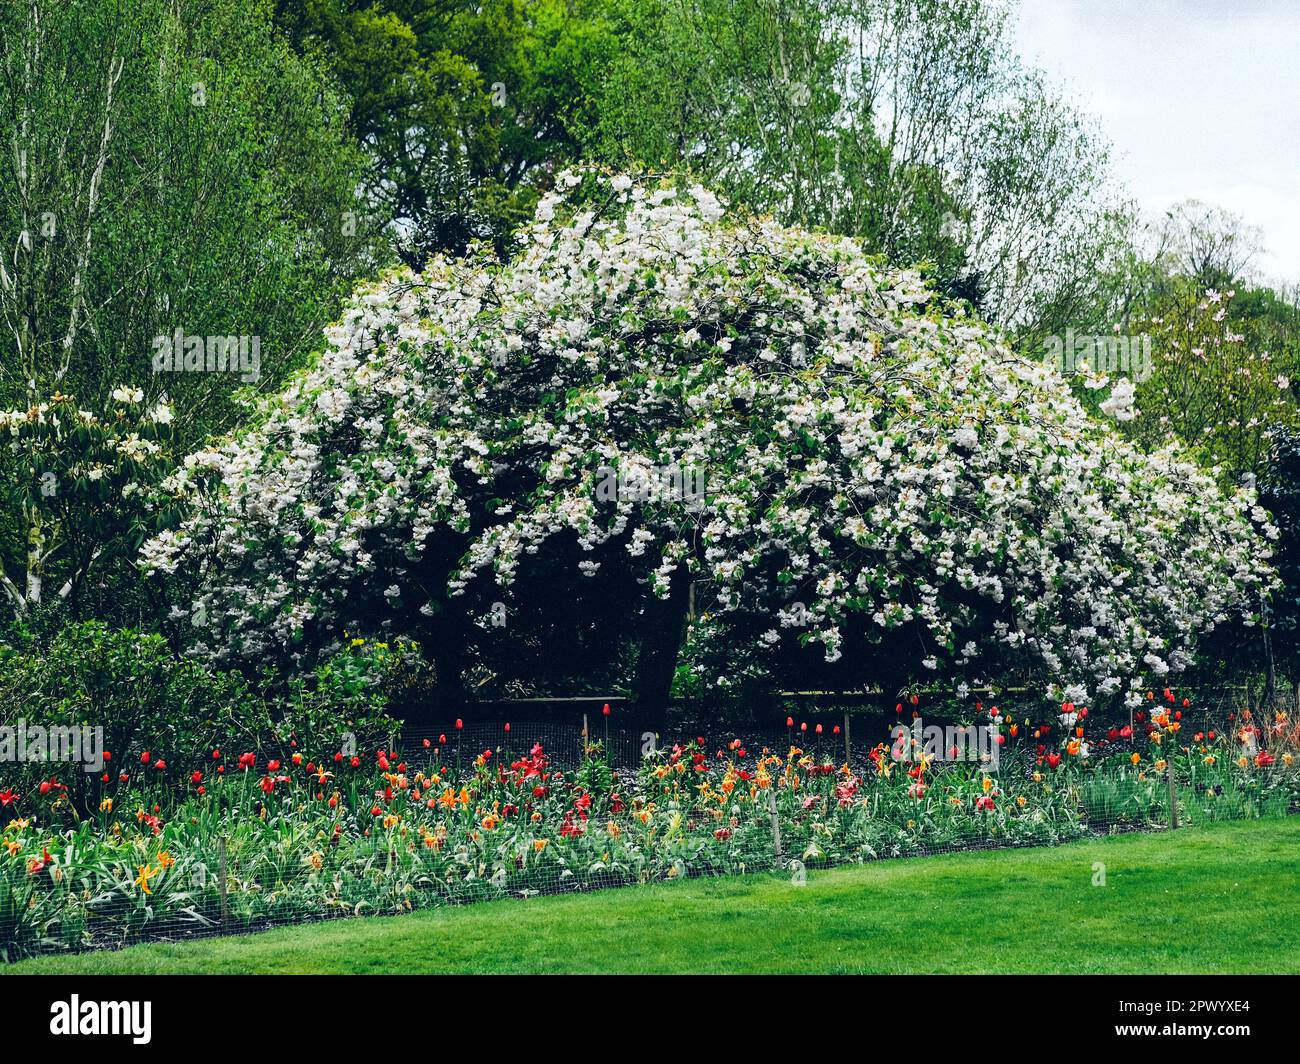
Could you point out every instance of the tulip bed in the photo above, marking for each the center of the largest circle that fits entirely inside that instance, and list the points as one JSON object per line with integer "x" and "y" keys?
{"x": 1162, "y": 909}
{"x": 304, "y": 837}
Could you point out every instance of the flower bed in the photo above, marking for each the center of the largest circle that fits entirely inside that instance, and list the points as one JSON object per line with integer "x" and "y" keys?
{"x": 303, "y": 836}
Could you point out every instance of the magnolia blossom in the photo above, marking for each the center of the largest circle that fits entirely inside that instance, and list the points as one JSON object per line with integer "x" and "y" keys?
{"x": 873, "y": 455}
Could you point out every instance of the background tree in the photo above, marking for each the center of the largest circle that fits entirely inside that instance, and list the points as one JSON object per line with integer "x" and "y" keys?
{"x": 910, "y": 124}
{"x": 167, "y": 164}
{"x": 462, "y": 108}
{"x": 1280, "y": 493}
{"x": 1216, "y": 384}
{"x": 1207, "y": 244}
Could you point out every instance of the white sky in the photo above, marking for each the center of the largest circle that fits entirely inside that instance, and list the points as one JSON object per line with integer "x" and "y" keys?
{"x": 1200, "y": 99}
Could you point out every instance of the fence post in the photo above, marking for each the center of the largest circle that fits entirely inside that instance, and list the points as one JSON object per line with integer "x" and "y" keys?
{"x": 776, "y": 824}
{"x": 1173, "y": 797}
{"x": 221, "y": 886}
{"x": 848, "y": 747}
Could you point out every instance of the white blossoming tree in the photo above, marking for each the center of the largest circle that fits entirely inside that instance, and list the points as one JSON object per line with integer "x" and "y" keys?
{"x": 653, "y": 395}
{"x": 77, "y": 484}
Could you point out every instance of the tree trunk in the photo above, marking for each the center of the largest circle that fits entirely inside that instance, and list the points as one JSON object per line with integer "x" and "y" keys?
{"x": 446, "y": 647}
{"x": 661, "y": 640}
{"x": 35, "y": 560}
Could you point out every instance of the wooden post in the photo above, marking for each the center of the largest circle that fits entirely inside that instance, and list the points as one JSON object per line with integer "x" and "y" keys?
{"x": 848, "y": 746}
{"x": 1173, "y": 796}
{"x": 222, "y": 886}
{"x": 776, "y": 824}
{"x": 584, "y": 737}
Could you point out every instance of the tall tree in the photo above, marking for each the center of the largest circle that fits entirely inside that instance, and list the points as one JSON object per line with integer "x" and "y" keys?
{"x": 169, "y": 168}
{"x": 909, "y": 123}
{"x": 463, "y": 108}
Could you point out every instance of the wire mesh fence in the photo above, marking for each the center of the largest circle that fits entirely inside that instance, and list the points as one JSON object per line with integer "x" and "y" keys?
{"x": 493, "y": 811}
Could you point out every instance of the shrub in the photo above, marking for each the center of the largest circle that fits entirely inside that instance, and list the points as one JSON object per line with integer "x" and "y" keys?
{"x": 163, "y": 716}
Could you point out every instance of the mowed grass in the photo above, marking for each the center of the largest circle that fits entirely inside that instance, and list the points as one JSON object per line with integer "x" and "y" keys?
{"x": 1221, "y": 899}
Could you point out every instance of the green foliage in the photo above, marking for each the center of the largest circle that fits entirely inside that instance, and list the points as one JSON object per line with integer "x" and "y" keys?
{"x": 179, "y": 711}
{"x": 78, "y": 486}
{"x": 1222, "y": 376}
{"x": 342, "y": 701}
{"x": 909, "y": 123}
{"x": 169, "y": 164}
{"x": 131, "y": 685}
{"x": 462, "y": 108}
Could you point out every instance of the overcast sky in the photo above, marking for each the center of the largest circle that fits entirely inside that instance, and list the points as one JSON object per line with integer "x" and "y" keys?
{"x": 1200, "y": 98}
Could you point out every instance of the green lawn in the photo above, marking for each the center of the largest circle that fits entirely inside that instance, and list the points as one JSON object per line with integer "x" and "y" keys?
{"x": 1222, "y": 899}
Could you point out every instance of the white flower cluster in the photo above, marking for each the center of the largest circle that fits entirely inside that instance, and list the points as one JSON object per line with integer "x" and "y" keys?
{"x": 879, "y": 455}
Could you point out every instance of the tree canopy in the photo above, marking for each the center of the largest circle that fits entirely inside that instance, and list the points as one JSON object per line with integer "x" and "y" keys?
{"x": 837, "y": 457}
